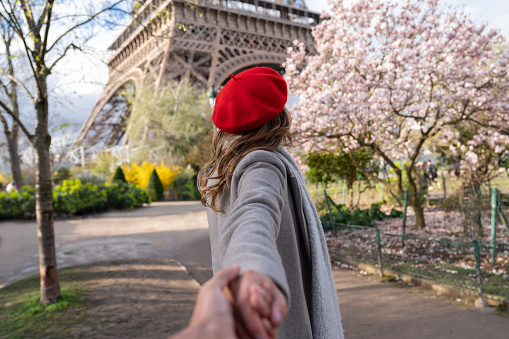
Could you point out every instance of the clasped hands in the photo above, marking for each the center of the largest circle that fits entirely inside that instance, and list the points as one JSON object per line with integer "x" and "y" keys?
{"x": 237, "y": 306}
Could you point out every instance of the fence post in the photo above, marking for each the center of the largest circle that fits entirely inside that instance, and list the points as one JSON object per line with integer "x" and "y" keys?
{"x": 478, "y": 271}
{"x": 445, "y": 189}
{"x": 379, "y": 247}
{"x": 82, "y": 153}
{"x": 343, "y": 202}
{"x": 405, "y": 205}
{"x": 502, "y": 216}
{"x": 493, "y": 251}
{"x": 328, "y": 206}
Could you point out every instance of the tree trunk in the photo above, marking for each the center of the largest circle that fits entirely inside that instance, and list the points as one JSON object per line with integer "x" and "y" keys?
{"x": 12, "y": 145}
{"x": 415, "y": 202}
{"x": 415, "y": 199}
{"x": 50, "y": 287}
{"x": 12, "y": 138}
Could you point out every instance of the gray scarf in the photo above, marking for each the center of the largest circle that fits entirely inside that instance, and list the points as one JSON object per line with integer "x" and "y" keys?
{"x": 325, "y": 317}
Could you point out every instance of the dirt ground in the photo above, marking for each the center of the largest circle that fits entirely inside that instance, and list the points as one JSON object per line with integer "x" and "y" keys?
{"x": 136, "y": 299}
{"x": 155, "y": 298}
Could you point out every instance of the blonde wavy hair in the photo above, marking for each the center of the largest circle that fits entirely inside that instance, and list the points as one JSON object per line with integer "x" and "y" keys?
{"x": 228, "y": 149}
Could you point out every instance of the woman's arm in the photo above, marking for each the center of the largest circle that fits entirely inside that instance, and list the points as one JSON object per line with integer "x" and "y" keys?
{"x": 249, "y": 232}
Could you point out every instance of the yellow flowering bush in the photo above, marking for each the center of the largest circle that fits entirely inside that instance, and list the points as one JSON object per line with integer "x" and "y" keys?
{"x": 167, "y": 175}
{"x": 4, "y": 181}
{"x": 140, "y": 174}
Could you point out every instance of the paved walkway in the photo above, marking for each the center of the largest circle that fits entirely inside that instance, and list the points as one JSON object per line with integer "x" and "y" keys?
{"x": 153, "y": 241}
{"x": 371, "y": 309}
{"x": 164, "y": 230}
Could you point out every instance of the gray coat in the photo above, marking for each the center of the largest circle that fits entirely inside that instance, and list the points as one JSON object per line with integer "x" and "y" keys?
{"x": 260, "y": 228}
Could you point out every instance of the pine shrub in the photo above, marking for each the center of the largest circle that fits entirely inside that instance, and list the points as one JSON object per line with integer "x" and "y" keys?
{"x": 119, "y": 176}
{"x": 155, "y": 187}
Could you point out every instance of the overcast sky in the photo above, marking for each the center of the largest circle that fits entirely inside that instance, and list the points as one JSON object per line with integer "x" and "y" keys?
{"x": 81, "y": 78}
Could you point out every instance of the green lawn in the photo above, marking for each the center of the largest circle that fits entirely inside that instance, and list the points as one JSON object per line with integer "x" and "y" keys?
{"x": 21, "y": 315}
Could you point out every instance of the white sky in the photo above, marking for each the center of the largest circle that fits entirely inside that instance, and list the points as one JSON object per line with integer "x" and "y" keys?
{"x": 81, "y": 78}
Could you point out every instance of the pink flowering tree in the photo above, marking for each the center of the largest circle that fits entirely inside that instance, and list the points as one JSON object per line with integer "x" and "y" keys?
{"x": 398, "y": 78}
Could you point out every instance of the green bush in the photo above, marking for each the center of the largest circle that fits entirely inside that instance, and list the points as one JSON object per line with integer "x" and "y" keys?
{"x": 342, "y": 215}
{"x": 124, "y": 196}
{"x": 155, "y": 187}
{"x": 119, "y": 176}
{"x": 185, "y": 186}
{"x": 61, "y": 174}
{"x": 18, "y": 204}
{"x": 395, "y": 213}
{"x": 74, "y": 197}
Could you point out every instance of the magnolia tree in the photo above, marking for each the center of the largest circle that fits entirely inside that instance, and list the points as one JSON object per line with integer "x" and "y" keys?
{"x": 398, "y": 77}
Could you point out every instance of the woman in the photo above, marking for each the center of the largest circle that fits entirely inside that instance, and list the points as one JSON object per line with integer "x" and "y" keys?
{"x": 260, "y": 214}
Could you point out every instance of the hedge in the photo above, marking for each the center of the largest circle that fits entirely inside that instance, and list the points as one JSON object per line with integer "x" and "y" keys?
{"x": 73, "y": 197}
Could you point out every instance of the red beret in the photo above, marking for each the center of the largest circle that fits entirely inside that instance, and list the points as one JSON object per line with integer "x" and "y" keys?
{"x": 249, "y": 100}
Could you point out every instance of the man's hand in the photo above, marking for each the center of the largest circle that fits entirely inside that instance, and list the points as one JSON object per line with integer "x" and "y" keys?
{"x": 260, "y": 306}
{"x": 213, "y": 314}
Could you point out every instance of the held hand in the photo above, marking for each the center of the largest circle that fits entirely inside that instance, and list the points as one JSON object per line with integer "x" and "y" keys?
{"x": 260, "y": 306}
{"x": 213, "y": 314}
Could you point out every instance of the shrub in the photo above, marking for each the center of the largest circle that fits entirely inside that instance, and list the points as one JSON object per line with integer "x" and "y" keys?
{"x": 185, "y": 185}
{"x": 342, "y": 215}
{"x": 155, "y": 187}
{"x": 375, "y": 213}
{"x": 167, "y": 175}
{"x": 119, "y": 176}
{"x": 61, "y": 174}
{"x": 18, "y": 204}
{"x": 140, "y": 174}
{"x": 395, "y": 213}
{"x": 74, "y": 197}
{"x": 122, "y": 196}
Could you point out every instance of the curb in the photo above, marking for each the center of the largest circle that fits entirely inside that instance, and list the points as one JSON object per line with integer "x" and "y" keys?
{"x": 488, "y": 299}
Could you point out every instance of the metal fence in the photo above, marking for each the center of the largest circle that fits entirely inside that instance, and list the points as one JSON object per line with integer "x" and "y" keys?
{"x": 464, "y": 267}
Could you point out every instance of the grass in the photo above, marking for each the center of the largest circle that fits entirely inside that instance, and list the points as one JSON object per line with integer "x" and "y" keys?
{"x": 453, "y": 186}
{"x": 22, "y": 316}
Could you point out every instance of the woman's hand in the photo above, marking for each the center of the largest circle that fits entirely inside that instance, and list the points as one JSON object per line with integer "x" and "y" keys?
{"x": 260, "y": 306}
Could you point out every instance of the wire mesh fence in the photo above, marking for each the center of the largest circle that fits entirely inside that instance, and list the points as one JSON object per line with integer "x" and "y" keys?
{"x": 463, "y": 242}
{"x": 464, "y": 267}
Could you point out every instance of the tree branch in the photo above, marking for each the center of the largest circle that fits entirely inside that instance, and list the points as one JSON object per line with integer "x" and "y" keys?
{"x": 6, "y": 126}
{"x": 28, "y": 15}
{"x": 13, "y": 22}
{"x": 366, "y": 173}
{"x": 4, "y": 86}
{"x": 83, "y": 23}
{"x": 19, "y": 83}
{"x": 61, "y": 56}
{"x": 15, "y": 118}
{"x": 48, "y": 10}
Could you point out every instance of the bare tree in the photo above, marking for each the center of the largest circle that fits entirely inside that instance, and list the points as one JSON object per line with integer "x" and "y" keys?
{"x": 11, "y": 91}
{"x": 31, "y": 22}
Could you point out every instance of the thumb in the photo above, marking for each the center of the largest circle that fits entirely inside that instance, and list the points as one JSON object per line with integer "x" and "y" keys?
{"x": 224, "y": 277}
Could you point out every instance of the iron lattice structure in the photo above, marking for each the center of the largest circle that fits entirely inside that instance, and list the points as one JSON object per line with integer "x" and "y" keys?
{"x": 202, "y": 40}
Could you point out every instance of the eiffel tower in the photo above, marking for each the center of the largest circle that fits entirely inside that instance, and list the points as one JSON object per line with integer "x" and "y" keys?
{"x": 203, "y": 40}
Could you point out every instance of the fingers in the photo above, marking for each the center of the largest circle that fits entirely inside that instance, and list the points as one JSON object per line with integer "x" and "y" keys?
{"x": 224, "y": 277}
{"x": 252, "y": 320}
{"x": 240, "y": 329}
{"x": 260, "y": 300}
{"x": 270, "y": 330}
{"x": 279, "y": 309}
